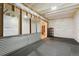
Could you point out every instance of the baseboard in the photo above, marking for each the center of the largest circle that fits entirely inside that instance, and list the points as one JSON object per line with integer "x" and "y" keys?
{"x": 67, "y": 38}
{"x": 77, "y": 40}
{"x": 63, "y": 37}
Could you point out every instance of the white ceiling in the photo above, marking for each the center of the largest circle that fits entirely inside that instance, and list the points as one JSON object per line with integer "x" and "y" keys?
{"x": 63, "y": 9}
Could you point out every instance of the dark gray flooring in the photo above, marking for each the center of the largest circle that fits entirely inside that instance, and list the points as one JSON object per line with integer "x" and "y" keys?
{"x": 57, "y": 47}
{"x": 24, "y": 51}
{"x": 50, "y": 47}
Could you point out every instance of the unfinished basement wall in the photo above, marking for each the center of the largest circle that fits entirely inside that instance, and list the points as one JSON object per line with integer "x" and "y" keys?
{"x": 63, "y": 27}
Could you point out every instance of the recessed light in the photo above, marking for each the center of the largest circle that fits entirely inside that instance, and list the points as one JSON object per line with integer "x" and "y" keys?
{"x": 54, "y": 8}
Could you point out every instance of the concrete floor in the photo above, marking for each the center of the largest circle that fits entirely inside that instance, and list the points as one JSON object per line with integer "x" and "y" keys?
{"x": 57, "y": 47}
{"x": 49, "y": 47}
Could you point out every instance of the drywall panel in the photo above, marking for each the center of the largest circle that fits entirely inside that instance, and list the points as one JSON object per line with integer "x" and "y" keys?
{"x": 10, "y": 26}
{"x": 38, "y": 27}
{"x": 63, "y": 27}
{"x": 33, "y": 27}
{"x": 76, "y": 26}
{"x": 25, "y": 23}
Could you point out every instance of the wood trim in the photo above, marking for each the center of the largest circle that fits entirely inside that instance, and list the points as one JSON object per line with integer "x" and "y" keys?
{"x": 30, "y": 23}
{"x": 13, "y": 8}
{"x": 30, "y": 16}
{"x": 30, "y": 26}
{"x": 20, "y": 22}
{"x": 1, "y": 19}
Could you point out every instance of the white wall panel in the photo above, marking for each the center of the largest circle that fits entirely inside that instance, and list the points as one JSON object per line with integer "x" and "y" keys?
{"x": 38, "y": 27}
{"x": 25, "y": 26}
{"x": 10, "y": 26}
{"x": 76, "y": 26}
{"x": 33, "y": 27}
{"x": 63, "y": 27}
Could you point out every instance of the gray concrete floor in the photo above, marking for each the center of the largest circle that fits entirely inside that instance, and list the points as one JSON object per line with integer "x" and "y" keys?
{"x": 57, "y": 47}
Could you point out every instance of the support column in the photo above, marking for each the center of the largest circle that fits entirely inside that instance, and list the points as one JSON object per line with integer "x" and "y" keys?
{"x": 1, "y": 19}
{"x": 20, "y": 21}
{"x": 30, "y": 26}
{"x": 30, "y": 15}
